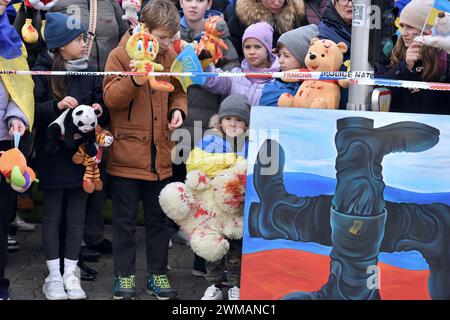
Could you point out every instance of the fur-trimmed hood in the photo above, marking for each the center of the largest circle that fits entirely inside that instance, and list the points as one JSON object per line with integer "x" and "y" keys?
{"x": 252, "y": 11}
{"x": 214, "y": 123}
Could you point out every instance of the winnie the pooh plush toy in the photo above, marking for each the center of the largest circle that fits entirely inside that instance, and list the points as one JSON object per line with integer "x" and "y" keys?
{"x": 323, "y": 55}
{"x": 209, "y": 210}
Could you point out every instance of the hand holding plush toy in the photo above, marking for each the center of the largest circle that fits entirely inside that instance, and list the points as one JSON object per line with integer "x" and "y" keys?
{"x": 441, "y": 33}
{"x": 211, "y": 41}
{"x": 143, "y": 48}
{"x": 323, "y": 55}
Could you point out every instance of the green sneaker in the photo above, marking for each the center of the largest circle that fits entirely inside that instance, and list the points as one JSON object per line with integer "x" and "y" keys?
{"x": 159, "y": 286}
{"x": 124, "y": 288}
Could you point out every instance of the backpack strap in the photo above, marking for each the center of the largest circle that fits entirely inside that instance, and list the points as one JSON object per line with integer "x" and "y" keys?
{"x": 92, "y": 25}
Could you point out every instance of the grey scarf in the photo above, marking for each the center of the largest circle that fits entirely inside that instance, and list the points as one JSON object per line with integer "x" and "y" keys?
{"x": 74, "y": 65}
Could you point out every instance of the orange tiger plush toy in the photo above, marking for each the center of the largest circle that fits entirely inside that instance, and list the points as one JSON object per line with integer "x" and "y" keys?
{"x": 91, "y": 178}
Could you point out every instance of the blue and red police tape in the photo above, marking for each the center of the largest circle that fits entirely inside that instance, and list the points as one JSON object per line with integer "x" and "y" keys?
{"x": 355, "y": 77}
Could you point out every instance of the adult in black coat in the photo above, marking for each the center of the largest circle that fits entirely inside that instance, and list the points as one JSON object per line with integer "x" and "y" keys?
{"x": 415, "y": 100}
{"x": 336, "y": 24}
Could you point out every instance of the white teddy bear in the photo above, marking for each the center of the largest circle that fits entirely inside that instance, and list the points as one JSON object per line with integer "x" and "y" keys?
{"x": 209, "y": 210}
{"x": 441, "y": 33}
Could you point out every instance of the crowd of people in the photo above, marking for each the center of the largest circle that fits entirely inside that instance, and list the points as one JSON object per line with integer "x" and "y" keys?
{"x": 262, "y": 36}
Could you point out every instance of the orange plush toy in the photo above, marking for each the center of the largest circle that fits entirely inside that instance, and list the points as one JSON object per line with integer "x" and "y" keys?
{"x": 323, "y": 55}
{"x": 143, "y": 48}
{"x": 13, "y": 166}
{"x": 211, "y": 40}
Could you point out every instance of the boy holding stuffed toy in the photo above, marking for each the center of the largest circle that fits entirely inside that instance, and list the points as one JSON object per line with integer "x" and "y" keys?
{"x": 16, "y": 115}
{"x": 220, "y": 149}
{"x": 139, "y": 162}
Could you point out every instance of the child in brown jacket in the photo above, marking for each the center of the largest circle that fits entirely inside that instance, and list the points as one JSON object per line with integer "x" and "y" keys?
{"x": 139, "y": 161}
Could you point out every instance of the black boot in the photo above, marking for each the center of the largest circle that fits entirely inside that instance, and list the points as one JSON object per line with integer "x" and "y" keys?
{"x": 279, "y": 214}
{"x": 355, "y": 251}
{"x": 289, "y": 217}
{"x": 425, "y": 228}
{"x": 358, "y": 213}
{"x": 360, "y": 185}
{"x": 86, "y": 273}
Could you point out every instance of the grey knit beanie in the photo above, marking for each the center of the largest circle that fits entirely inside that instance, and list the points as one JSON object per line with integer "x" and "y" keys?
{"x": 298, "y": 41}
{"x": 235, "y": 105}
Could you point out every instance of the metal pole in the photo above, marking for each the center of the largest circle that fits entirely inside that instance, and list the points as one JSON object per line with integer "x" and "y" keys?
{"x": 359, "y": 96}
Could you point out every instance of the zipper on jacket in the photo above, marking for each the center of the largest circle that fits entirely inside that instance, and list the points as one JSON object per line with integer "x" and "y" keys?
{"x": 153, "y": 146}
{"x": 129, "y": 109}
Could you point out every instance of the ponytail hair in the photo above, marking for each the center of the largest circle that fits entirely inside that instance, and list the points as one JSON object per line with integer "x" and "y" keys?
{"x": 58, "y": 83}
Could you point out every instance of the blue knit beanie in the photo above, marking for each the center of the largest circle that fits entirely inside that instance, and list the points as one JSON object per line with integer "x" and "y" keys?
{"x": 59, "y": 31}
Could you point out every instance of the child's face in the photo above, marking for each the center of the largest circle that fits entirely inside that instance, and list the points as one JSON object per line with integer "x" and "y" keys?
{"x": 75, "y": 49}
{"x": 233, "y": 126}
{"x": 256, "y": 53}
{"x": 164, "y": 37}
{"x": 287, "y": 60}
{"x": 194, "y": 10}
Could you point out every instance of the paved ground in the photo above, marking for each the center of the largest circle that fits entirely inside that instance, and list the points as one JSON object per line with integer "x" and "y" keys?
{"x": 27, "y": 270}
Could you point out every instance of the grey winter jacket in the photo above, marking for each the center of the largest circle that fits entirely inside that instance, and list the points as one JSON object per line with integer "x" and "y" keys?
{"x": 109, "y": 31}
{"x": 8, "y": 111}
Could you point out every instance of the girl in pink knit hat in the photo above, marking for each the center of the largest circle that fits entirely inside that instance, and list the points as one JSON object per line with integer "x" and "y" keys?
{"x": 257, "y": 46}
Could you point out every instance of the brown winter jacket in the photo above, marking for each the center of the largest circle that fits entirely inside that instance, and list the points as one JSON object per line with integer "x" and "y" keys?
{"x": 139, "y": 120}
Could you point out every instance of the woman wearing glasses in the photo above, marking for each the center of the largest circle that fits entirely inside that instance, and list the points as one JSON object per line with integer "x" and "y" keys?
{"x": 336, "y": 23}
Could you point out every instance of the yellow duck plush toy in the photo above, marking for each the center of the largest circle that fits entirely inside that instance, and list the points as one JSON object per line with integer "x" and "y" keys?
{"x": 143, "y": 48}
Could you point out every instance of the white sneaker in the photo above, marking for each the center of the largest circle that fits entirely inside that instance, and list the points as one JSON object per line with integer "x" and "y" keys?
{"x": 73, "y": 286}
{"x": 234, "y": 293}
{"x": 22, "y": 225}
{"x": 53, "y": 289}
{"x": 170, "y": 244}
{"x": 212, "y": 293}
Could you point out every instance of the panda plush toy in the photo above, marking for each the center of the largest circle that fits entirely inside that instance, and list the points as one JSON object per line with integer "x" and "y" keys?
{"x": 74, "y": 126}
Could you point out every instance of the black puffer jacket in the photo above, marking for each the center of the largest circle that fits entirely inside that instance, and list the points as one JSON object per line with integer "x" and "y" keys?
{"x": 423, "y": 101}
{"x": 58, "y": 171}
